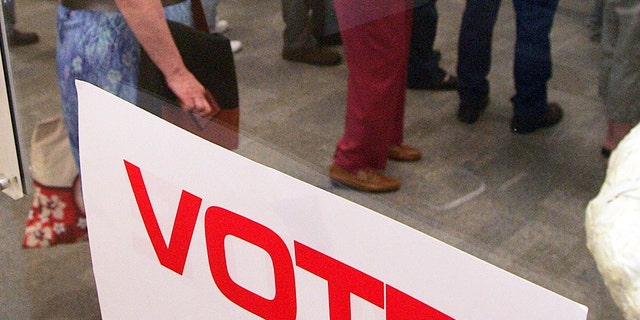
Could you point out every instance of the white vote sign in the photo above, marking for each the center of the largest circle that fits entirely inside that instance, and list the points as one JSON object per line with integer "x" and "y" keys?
{"x": 182, "y": 229}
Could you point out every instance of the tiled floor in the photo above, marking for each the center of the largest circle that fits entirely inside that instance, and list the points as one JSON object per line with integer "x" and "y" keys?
{"x": 515, "y": 201}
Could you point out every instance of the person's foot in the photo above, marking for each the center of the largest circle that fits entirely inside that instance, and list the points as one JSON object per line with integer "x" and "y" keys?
{"x": 318, "y": 56}
{"x": 616, "y": 131}
{"x": 329, "y": 40}
{"x": 222, "y": 26}
{"x": 549, "y": 118}
{"x": 368, "y": 180}
{"x": 404, "y": 153}
{"x": 469, "y": 113}
{"x": 448, "y": 82}
{"x": 236, "y": 45}
{"x": 19, "y": 38}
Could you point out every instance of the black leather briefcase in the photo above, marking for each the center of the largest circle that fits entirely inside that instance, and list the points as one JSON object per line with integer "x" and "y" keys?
{"x": 209, "y": 58}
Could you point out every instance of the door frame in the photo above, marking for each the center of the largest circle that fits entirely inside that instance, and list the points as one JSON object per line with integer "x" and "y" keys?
{"x": 11, "y": 165}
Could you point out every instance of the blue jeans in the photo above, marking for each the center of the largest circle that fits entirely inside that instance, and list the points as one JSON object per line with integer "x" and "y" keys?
{"x": 210, "y": 8}
{"x": 532, "y": 64}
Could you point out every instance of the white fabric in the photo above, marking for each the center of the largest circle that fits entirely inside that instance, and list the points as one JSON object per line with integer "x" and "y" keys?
{"x": 52, "y": 162}
{"x": 613, "y": 226}
{"x": 236, "y": 46}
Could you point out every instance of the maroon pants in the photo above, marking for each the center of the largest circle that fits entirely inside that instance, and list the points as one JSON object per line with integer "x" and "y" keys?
{"x": 376, "y": 38}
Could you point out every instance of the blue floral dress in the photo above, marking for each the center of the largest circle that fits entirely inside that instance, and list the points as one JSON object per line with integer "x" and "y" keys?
{"x": 98, "y": 47}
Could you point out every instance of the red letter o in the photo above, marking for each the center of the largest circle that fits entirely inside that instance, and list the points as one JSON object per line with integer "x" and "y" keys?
{"x": 219, "y": 223}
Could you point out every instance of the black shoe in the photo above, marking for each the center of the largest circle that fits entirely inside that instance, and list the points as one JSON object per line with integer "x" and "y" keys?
{"x": 449, "y": 82}
{"x": 318, "y": 56}
{"x": 18, "y": 38}
{"x": 551, "y": 116}
{"x": 469, "y": 114}
{"x": 330, "y": 40}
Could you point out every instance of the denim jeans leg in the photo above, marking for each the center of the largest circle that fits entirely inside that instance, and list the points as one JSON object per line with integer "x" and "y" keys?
{"x": 474, "y": 50}
{"x": 532, "y": 64}
{"x": 331, "y": 21}
{"x": 424, "y": 64}
{"x": 297, "y": 25}
{"x": 210, "y": 8}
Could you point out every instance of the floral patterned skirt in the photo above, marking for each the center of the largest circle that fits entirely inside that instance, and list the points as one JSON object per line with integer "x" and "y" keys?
{"x": 98, "y": 47}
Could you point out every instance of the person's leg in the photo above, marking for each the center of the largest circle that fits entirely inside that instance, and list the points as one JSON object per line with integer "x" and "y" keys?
{"x": 325, "y": 24}
{"x": 474, "y": 57}
{"x": 607, "y": 46}
{"x": 180, "y": 12}
{"x": 210, "y": 8}
{"x": 331, "y": 19}
{"x": 377, "y": 54}
{"x": 297, "y": 30}
{"x": 299, "y": 45}
{"x": 318, "y": 8}
{"x": 620, "y": 79}
{"x": 594, "y": 21}
{"x": 376, "y": 47}
{"x": 616, "y": 131}
{"x": 15, "y": 37}
{"x": 532, "y": 65}
{"x": 9, "y": 11}
{"x": 424, "y": 63}
{"x": 66, "y": 72}
{"x": 622, "y": 57}
{"x": 81, "y": 54}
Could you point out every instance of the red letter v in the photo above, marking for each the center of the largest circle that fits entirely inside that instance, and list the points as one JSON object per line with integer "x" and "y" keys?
{"x": 173, "y": 256}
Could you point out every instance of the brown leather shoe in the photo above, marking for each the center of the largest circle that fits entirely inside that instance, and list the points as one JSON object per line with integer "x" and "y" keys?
{"x": 404, "y": 153}
{"x": 368, "y": 180}
{"x": 318, "y": 56}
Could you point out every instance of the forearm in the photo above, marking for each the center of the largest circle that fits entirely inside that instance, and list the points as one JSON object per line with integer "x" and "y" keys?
{"x": 147, "y": 21}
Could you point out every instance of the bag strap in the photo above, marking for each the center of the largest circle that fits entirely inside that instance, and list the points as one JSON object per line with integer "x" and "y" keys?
{"x": 198, "y": 16}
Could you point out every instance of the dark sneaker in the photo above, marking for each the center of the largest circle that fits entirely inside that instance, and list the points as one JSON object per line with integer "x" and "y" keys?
{"x": 447, "y": 83}
{"x": 469, "y": 114}
{"x": 318, "y": 56}
{"x": 18, "y": 38}
{"x": 552, "y": 116}
{"x": 330, "y": 40}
